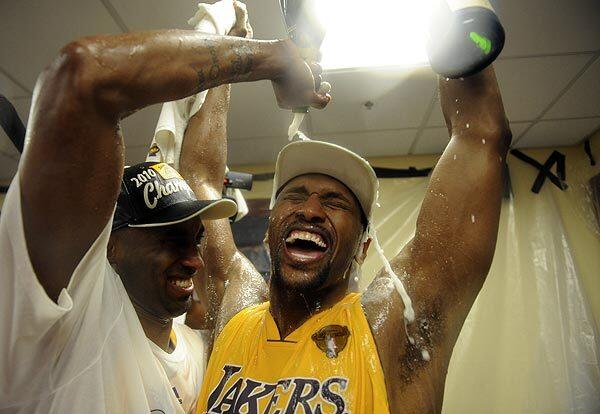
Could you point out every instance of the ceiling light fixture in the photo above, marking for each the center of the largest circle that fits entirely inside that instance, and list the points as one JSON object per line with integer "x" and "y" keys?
{"x": 374, "y": 33}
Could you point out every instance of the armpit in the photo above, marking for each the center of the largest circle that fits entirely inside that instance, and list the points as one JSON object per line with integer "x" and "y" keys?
{"x": 427, "y": 335}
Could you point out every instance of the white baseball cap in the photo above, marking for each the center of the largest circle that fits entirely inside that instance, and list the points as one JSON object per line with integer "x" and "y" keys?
{"x": 318, "y": 157}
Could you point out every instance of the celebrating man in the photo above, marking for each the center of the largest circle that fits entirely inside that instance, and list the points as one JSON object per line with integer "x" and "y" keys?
{"x": 314, "y": 347}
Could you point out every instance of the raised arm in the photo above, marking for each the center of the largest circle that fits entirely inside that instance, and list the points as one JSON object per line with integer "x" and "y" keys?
{"x": 72, "y": 165}
{"x": 457, "y": 226}
{"x": 202, "y": 163}
{"x": 203, "y": 160}
{"x": 446, "y": 263}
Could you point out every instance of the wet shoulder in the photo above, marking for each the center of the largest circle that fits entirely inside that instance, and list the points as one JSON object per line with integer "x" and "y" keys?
{"x": 382, "y": 307}
{"x": 245, "y": 320}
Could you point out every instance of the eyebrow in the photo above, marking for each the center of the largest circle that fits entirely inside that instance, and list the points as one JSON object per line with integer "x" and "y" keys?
{"x": 298, "y": 190}
{"x": 334, "y": 194}
{"x": 327, "y": 196}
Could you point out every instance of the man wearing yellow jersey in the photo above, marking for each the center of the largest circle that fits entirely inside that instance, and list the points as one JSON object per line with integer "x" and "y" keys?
{"x": 305, "y": 344}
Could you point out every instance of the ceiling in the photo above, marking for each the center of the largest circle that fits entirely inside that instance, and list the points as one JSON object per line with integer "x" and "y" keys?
{"x": 549, "y": 74}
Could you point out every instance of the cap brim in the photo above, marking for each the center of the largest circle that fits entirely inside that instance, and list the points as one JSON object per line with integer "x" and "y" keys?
{"x": 318, "y": 157}
{"x": 180, "y": 212}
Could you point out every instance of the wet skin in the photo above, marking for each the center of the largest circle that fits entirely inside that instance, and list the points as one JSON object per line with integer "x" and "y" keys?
{"x": 311, "y": 277}
{"x": 150, "y": 260}
{"x": 443, "y": 267}
{"x": 299, "y": 288}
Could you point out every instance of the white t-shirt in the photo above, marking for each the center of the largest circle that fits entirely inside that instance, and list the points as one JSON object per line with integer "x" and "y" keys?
{"x": 184, "y": 366}
{"x": 87, "y": 353}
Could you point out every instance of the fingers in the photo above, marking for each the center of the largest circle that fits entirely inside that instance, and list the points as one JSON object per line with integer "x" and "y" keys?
{"x": 321, "y": 96}
{"x": 318, "y": 80}
{"x": 301, "y": 85}
{"x": 320, "y": 100}
{"x": 316, "y": 100}
{"x": 238, "y": 32}
{"x": 323, "y": 92}
{"x": 241, "y": 11}
{"x": 315, "y": 68}
{"x": 325, "y": 87}
{"x": 242, "y": 27}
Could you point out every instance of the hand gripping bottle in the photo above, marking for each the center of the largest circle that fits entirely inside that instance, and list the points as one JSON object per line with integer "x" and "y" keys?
{"x": 307, "y": 32}
{"x": 465, "y": 37}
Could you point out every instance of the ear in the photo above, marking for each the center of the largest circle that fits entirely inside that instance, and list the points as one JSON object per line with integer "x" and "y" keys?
{"x": 362, "y": 253}
{"x": 111, "y": 249}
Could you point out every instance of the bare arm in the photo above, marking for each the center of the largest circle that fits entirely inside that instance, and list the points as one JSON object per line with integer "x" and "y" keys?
{"x": 203, "y": 161}
{"x": 227, "y": 272}
{"x": 446, "y": 263}
{"x": 457, "y": 226}
{"x": 71, "y": 168}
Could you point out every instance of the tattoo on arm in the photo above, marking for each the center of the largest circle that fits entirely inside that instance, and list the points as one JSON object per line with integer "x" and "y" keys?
{"x": 236, "y": 63}
{"x": 214, "y": 69}
{"x": 247, "y": 51}
{"x": 241, "y": 66}
{"x": 201, "y": 79}
{"x": 242, "y": 63}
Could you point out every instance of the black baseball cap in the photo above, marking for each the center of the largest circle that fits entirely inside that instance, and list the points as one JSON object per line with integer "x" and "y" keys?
{"x": 154, "y": 194}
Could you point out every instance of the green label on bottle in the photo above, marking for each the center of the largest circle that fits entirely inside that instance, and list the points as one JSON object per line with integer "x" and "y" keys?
{"x": 482, "y": 42}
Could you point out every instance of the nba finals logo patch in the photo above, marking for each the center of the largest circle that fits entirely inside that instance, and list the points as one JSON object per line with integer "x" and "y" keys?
{"x": 153, "y": 152}
{"x": 331, "y": 339}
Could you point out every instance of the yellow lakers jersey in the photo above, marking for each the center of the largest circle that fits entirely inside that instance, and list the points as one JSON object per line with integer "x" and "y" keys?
{"x": 328, "y": 365}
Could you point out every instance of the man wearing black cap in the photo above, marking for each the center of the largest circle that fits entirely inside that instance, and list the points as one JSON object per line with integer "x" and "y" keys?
{"x": 74, "y": 328}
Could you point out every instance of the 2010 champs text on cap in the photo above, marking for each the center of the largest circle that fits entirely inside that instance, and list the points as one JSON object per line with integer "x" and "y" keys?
{"x": 155, "y": 194}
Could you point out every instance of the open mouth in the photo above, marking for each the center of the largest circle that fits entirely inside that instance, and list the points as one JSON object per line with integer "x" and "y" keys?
{"x": 305, "y": 246}
{"x": 180, "y": 288}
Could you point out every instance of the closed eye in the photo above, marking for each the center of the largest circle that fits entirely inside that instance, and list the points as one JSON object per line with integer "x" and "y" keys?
{"x": 336, "y": 205}
{"x": 294, "y": 197}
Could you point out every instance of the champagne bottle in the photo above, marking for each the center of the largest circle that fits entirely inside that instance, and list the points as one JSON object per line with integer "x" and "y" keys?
{"x": 303, "y": 26}
{"x": 465, "y": 37}
{"x": 307, "y": 32}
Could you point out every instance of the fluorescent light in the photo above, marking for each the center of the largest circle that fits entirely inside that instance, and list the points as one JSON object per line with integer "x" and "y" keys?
{"x": 373, "y": 33}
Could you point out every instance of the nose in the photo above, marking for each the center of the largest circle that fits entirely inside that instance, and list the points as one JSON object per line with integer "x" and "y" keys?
{"x": 191, "y": 263}
{"x": 312, "y": 210}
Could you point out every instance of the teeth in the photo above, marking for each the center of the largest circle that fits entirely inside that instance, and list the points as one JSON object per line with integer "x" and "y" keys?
{"x": 307, "y": 236}
{"x": 183, "y": 283}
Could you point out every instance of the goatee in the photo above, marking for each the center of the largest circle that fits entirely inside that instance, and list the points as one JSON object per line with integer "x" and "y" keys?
{"x": 301, "y": 286}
